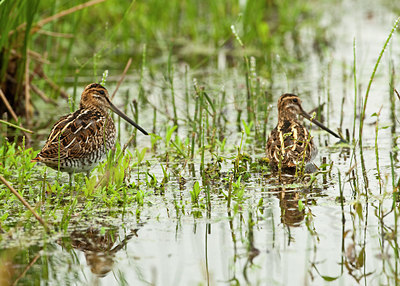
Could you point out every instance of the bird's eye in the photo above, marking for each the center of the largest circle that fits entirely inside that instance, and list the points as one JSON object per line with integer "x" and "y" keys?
{"x": 295, "y": 100}
{"x": 101, "y": 92}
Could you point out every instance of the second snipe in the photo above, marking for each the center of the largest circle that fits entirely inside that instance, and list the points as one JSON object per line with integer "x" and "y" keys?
{"x": 290, "y": 143}
{"x": 79, "y": 141}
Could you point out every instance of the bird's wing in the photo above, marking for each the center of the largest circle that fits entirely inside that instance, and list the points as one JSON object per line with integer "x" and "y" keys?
{"x": 74, "y": 135}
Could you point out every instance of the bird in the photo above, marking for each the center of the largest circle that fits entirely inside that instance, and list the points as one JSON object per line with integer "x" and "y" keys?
{"x": 80, "y": 140}
{"x": 290, "y": 143}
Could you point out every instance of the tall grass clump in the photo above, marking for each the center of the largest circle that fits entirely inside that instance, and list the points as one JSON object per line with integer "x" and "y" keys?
{"x": 16, "y": 19}
{"x": 365, "y": 99}
{"x": 24, "y": 46}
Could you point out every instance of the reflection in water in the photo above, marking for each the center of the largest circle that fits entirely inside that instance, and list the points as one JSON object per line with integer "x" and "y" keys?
{"x": 17, "y": 266}
{"x": 32, "y": 265}
{"x": 23, "y": 273}
{"x": 98, "y": 247}
{"x": 251, "y": 252}
{"x": 354, "y": 254}
{"x": 291, "y": 215}
{"x": 6, "y": 267}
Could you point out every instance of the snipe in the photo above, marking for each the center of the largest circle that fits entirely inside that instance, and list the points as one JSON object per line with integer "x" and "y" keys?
{"x": 79, "y": 141}
{"x": 290, "y": 143}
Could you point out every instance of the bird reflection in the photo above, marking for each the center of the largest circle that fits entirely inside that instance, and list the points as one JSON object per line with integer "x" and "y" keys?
{"x": 98, "y": 246}
{"x": 289, "y": 196}
{"x": 291, "y": 215}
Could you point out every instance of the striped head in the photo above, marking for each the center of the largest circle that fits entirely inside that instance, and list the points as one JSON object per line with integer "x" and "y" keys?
{"x": 289, "y": 107}
{"x": 95, "y": 96}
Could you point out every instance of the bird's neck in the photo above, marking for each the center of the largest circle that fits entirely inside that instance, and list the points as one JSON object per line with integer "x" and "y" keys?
{"x": 288, "y": 116}
{"x": 94, "y": 108}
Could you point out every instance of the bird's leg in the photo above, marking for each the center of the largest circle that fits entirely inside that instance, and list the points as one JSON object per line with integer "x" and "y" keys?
{"x": 70, "y": 179}
{"x": 87, "y": 176}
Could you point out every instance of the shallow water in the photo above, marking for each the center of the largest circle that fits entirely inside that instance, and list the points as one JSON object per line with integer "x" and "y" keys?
{"x": 268, "y": 242}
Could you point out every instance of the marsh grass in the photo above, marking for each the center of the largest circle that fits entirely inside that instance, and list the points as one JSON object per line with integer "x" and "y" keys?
{"x": 365, "y": 99}
{"x": 355, "y": 88}
{"x": 59, "y": 197}
{"x": 45, "y": 23}
{"x": 19, "y": 34}
{"x": 192, "y": 164}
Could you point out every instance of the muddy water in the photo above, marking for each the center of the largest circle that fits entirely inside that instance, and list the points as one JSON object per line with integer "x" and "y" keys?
{"x": 273, "y": 242}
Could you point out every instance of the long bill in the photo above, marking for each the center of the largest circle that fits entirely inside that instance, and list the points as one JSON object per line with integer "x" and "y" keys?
{"x": 124, "y": 116}
{"x": 319, "y": 124}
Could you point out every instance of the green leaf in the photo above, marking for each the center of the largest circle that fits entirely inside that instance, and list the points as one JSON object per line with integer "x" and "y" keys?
{"x": 247, "y": 128}
{"x": 141, "y": 154}
{"x": 169, "y": 134}
{"x": 329, "y": 278}
{"x": 179, "y": 149}
{"x": 301, "y": 205}
{"x": 360, "y": 258}
{"x": 358, "y": 208}
{"x": 4, "y": 217}
{"x": 195, "y": 193}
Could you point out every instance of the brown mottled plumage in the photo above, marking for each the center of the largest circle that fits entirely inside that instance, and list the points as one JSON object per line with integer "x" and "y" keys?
{"x": 290, "y": 143}
{"x": 79, "y": 141}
